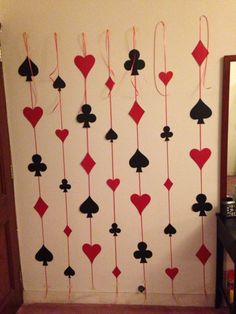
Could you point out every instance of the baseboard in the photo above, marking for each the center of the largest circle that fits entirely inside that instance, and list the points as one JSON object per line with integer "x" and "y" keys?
{"x": 120, "y": 298}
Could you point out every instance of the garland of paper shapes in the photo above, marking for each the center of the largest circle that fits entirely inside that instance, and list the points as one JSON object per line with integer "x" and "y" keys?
{"x": 200, "y": 112}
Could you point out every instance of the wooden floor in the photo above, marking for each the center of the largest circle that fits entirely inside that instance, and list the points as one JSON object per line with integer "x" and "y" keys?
{"x": 113, "y": 309}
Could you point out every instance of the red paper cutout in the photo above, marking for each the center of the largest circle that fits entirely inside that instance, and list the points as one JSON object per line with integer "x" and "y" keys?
{"x": 91, "y": 251}
{"x": 136, "y": 112}
{"x": 203, "y": 254}
{"x": 165, "y": 77}
{"x": 116, "y": 272}
{"x": 200, "y": 53}
{"x": 84, "y": 64}
{"x": 33, "y": 115}
{"x": 88, "y": 163}
{"x": 168, "y": 184}
{"x": 172, "y": 272}
{"x": 62, "y": 134}
{"x": 113, "y": 183}
{"x": 140, "y": 201}
{"x": 200, "y": 156}
{"x": 110, "y": 83}
{"x": 41, "y": 207}
{"x": 67, "y": 231}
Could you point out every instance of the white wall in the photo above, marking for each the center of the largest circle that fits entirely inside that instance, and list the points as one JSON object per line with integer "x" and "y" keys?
{"x": 40, "y": 19}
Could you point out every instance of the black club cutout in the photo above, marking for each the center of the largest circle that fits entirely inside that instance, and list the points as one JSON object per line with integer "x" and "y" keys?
{"x": 166, "y": 134}
{"x": 142, "y": 253}
{"x": 114, "y": 229}
{"x": 37, "y": 166}
{"x": 201, "y": 206}
{"x": 64, "y": 186}
{"x": 134, "y": 64}
{"x": 86, "y": 117}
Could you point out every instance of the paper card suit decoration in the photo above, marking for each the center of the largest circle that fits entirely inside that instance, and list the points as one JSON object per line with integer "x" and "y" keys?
{"x": 44, "y": 255}
{"x": 170, "y": 230}
{"x": 62, "y": 134}
{"x": 140, "y": 201}
{"x": 114, "y": 229}
{"x": 201, "y": 206}
{"x": 200, "y": 156}
{"x": 113, "y": 183}
{"x": 89, "y": 207}
{"x": 37, "y": 166}
{"x": 165, "y": 77}
{"x": 139, "y": 161}
{"x": 33, "y": 115}
{"x": 28, "y": 69}
{"x": 172, "y": 272}
{"x": 86, "y": 117}
{"x": 200, "y": 112}
{"x": 59, "y": 84}
{"x": 91, "y": 251}
{"x": 134, "y": 64}
{"x": 84, "y": 64}
{"x": 111, "y": 135}
{"x": 166, "y": 134}
{"x": 64, "y": 186}
{"x": 69, "y": 272}
{"x": 142, "y": 253}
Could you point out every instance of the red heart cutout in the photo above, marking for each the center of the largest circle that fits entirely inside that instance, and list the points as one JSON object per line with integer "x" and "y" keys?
{"x": 165, "y": 77}
{"x": 91, "y": 251}
{"x": 113, "y": 183}
{"x": 140, "y": 201}
{"x": 172, "y": 272}
{"x": 200, "y": 156}
{"x": 33, "y": 115}
{"x": 62, "y": 134}
{"x": 84, "y": 64}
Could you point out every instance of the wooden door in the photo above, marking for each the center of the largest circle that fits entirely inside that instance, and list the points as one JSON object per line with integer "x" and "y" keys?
{"x": 10, "y": 275}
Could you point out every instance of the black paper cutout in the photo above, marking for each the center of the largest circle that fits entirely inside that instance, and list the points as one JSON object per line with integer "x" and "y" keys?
{"x": 111, "y": 135}
{"x": 142, "y": 252}
{"x": 134, "y": 64}
{"x": 166, "y": 134}
{"x": 28, "y": 68}
{"x": 89, "y": 207}
{"x": 86, "y": 117}
{"x": 201, "y": 206}
{"x": 200, "y": 112}
{"x": 69, "y": 272}
{"x": 37, "y": 166}
{"x": 170, "y": 230}
{"x": 44, "y": 255}
{"x": 114, "y": 229}
{"x": 65, "y": 186}
{"x": 59, "y": 84}
{"x": 141, "y": 288}
{"x": 139, "y": 161}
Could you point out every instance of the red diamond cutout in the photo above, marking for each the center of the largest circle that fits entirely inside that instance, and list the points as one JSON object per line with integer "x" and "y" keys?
{"x": 88, "y": 163}
{"x": 67, "y": 231}
{"x": 168, "y": 184}
{"x": 116, "y": 272}
{"x": 110, "y": 83}
{"x": 200, "y": 53}
{"x": 136, "y": 112}
{"x": 203, "y": 254}
{"x": 40, "y": 207}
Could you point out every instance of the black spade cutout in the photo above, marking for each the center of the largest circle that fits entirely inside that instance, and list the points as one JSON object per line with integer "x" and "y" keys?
{"x": 59, "y": 84}
{"x": 89, "y": 207}
{"x": 134, "y": 64}
{"x": 86, "y": 117}
{"x": 201, "y": 206}
{"x": 114, "y": 229}
{"x": 139, "y": 161}
{"x": 64, "y": 186}
{"x": 111, "y": 135}
{"x": 28, "y": 69}
{"x": 69, "y": 272}
{"x": 37, "y": 166}
{"x": 200, "y": 112}
{"x": 142, "y": 253}
{"x": 44, "y": 255}
{"x": 141, "y": 288}
{"x": 170, "y": 230}
{"x": 166, "y": 134}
